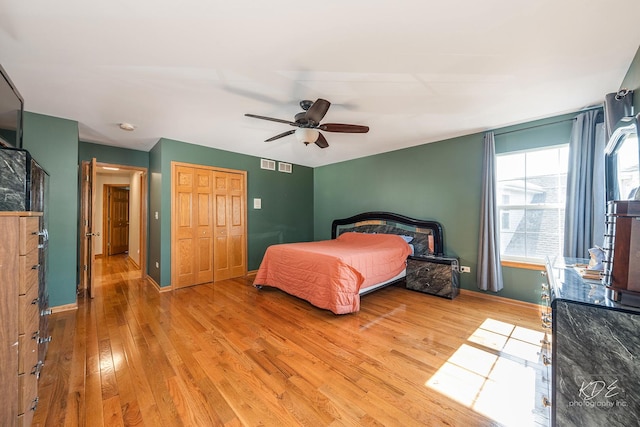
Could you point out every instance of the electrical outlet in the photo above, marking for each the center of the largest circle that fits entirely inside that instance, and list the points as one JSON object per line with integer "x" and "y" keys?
{"x": 465, "y": 269}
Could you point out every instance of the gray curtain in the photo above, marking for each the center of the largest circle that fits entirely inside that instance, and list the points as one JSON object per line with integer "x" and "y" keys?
{"x": 599, "y": 189}
{"x": 489, "y": 274}
{"x": 585, "y": 204}
{"x": 616, "y": 106}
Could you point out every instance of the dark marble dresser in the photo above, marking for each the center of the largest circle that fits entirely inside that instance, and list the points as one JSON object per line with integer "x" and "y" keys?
{"x": 433, "y": 275}
{"x": 595, "y": 352}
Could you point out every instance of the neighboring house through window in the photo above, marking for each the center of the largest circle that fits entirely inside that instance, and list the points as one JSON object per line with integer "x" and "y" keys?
{"x": 531, "y": 190}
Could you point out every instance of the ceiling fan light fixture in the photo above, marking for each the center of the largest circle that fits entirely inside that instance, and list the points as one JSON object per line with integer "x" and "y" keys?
{"x": 308, "y": 124}
{"x": 307, "y": 135}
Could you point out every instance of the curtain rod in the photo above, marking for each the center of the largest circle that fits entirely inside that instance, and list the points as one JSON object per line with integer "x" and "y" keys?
{"x": 548, "y": 124}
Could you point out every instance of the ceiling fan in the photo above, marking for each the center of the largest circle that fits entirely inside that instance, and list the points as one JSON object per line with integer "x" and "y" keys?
{"x": 308, "y": 124}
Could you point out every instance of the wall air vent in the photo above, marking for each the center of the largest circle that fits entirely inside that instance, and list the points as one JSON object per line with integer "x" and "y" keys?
{"x": 268, "y": 164}
{"x": 284, "y": 167}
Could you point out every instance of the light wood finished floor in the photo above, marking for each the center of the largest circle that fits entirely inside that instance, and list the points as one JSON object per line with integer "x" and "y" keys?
{"x": 228, "y": 354}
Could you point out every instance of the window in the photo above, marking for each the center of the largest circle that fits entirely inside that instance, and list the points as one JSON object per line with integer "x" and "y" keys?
{"x": 531, "y": 189}
{"x": 505, "y": 221}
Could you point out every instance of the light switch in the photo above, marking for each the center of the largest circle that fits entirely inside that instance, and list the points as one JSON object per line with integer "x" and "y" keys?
{"x": 257, "y": 203}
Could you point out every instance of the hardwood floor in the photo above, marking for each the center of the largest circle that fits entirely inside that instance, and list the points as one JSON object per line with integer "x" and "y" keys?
{"x": 228, "y": 354}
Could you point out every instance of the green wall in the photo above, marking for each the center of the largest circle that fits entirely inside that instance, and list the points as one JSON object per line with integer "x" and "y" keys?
{"x": 155, "y": 228}
{"x": 9, "y": 136}
{"x": 53, "y": 142}
{"x": 438, "y": 181}
{"x": 287, "y": 202}
{"x": 115, "y": 155}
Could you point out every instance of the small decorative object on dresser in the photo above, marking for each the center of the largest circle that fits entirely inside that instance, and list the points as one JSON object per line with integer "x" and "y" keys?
{"x": 434, "y": 275}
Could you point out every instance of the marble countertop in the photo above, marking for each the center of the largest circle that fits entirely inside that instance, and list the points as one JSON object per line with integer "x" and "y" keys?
{"x": 567, "y": 285}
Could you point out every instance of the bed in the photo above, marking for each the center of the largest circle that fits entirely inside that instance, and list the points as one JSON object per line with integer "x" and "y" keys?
{"x": 366, "y": 252}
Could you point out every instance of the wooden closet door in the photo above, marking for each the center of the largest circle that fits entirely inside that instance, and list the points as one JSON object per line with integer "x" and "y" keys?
{"x": 193, "y": 190}
{"x": 204, "y": 226}
{"x": 118, "y": 220}
{"x": 230, "y": 225}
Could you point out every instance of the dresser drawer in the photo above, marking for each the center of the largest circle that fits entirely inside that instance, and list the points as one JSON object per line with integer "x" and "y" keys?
{"x": 29, "y": 238}
{"x": 27, "y": 352}
{"x": 27, "y": 392}
{"x": 29, "y": 271}
{"x": 28, "y": 312}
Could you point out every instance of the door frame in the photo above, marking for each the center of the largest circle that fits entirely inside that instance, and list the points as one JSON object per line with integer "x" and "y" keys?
{"x": 86, "y": 257}
{"x": 144, "y": 216}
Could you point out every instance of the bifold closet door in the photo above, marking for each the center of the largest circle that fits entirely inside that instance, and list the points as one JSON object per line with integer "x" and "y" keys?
{"x": 193, "y": 192}
{"x": 230, "y": 228}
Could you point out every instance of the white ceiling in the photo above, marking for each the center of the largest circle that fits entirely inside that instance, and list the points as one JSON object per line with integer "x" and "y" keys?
{"x": 414, "y": 71}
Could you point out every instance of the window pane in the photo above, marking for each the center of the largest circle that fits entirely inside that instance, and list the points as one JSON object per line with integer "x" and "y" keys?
{"x": 547, "y": 189}
{"x": 531, "y": 188}
{"x": 544, "y": 228}
{"x": 544, "y": 221}
{"x": 513, "y": 244}
{"x": 505, "y": 221}
{"x": 510, "y": 166}
{"x": 516, "y": 219}
{"x": 563, "y": 165}
{"x": 511, "y": 192}
{"x": 541, "y": 245}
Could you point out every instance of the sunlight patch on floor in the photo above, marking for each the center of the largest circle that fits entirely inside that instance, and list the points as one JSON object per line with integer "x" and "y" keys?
{"x": 494, "y": 373}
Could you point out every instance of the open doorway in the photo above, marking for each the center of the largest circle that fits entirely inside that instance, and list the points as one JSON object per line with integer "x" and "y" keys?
{"x": 114, "y": 217}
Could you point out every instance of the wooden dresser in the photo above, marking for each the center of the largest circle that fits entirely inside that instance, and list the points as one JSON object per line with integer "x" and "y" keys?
{"x": 19, "y": 316}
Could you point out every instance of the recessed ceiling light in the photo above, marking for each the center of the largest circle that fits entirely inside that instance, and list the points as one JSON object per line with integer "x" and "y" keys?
{"x": 127, "y": 126}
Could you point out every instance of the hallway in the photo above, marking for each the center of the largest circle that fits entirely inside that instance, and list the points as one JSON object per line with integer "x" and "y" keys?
{"x": 110, "y": 270}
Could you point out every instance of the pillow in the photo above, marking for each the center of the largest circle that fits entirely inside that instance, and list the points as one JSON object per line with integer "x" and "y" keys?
{"x": 407, "y": 239}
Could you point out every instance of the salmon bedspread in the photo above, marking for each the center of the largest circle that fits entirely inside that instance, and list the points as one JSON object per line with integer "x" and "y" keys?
{"x": 330, "y": 273}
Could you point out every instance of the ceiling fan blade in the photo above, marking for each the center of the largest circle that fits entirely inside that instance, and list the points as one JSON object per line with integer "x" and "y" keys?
{"x": 272, "y": 119}
{"x": 283, "y": 134}
{"x": 322, "y": 141}
{"x": 339, "y": 127}
{"x": 317, "y": 110}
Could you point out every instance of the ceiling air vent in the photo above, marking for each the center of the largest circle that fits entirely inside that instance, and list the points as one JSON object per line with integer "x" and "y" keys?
{"x": 284, "y": 167}
{"x": 268, "y": 164}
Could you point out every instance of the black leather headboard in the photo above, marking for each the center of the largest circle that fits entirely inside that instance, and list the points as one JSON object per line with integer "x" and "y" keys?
{"x": 427, "y": 235}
